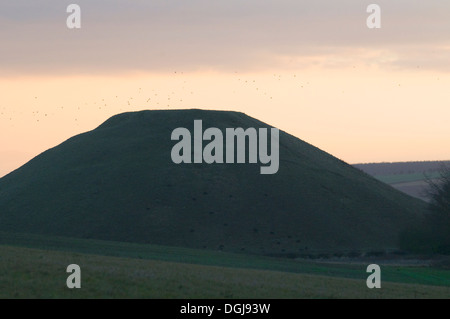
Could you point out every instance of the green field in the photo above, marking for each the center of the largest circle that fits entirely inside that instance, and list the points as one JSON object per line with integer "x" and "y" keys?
{"x": 406, "y": 178}
{"x": 414, "y": 184}
{"x": 123, "y": 270}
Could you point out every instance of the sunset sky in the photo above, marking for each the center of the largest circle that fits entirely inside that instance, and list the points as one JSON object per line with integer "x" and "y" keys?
{"x": 311, "y": 68}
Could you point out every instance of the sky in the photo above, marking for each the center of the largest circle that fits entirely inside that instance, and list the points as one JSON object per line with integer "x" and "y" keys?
{"x": 311, "y": 68}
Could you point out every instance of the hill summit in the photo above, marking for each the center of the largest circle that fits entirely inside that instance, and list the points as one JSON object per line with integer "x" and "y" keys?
{"x": 118, "y": 182}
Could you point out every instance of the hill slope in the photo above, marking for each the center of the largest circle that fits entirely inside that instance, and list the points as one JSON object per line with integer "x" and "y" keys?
{"x": 118, "y": 182}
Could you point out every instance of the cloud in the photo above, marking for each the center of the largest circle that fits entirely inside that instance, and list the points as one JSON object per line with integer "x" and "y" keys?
{"x": 122, "y": 36}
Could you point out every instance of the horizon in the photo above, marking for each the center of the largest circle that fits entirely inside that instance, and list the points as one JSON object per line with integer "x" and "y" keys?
{"x": 313, "y": 70}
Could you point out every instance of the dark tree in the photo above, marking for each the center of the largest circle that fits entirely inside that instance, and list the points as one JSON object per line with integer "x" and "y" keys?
{"x": 439, "y": 192}
{"x": 432, "y": 236}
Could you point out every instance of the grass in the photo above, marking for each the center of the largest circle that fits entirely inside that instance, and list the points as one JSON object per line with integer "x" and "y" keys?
{"x": 35, "y": 273}
{"x": 411, "y": 275}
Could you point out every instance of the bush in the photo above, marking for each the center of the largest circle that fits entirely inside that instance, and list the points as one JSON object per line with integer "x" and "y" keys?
{"x": 418, "y": 240}
{"x": 354, "y": 254}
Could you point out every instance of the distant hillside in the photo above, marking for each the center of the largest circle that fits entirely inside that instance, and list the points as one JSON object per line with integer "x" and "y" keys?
{"x": 401, "y": 168}
{"x": 408, "y": 177}
{"x": 118, "y": 182}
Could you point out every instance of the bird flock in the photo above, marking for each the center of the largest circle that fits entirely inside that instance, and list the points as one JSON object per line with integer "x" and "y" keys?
{"x": 182, "y": 94}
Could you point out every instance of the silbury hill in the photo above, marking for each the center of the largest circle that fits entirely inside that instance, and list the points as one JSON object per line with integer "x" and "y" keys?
{"x": 118, "y": 182}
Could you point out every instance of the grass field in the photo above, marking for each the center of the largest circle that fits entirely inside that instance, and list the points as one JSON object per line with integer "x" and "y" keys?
{"x": 122, "y": 270}
{"x": 417, "y": 275}
{"x": 34, "y": 273}
{"x": 405, "y": 178}
{"x": 414, "y": 184}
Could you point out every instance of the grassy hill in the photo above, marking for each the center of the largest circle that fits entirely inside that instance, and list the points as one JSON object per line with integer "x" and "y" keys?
{"x": 118, "y": 182}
